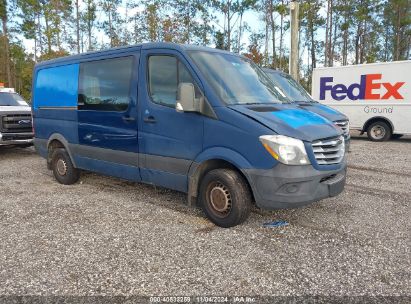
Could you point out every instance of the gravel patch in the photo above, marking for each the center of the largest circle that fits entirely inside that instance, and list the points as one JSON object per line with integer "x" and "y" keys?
{"x": 106, "y": 236}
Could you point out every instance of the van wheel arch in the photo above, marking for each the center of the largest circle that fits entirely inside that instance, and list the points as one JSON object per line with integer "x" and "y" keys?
{"x": 56, "y": 141}
{"x": 195, "y": 178}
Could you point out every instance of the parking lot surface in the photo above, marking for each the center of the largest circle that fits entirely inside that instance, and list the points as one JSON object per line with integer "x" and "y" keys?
{"x": 105, "y": 236}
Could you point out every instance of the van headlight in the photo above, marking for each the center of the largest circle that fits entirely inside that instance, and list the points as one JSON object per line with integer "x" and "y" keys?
{"x": 287, "y": 150}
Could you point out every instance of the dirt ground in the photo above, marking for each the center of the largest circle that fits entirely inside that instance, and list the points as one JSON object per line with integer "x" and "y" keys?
{"x": 105, "y": 236}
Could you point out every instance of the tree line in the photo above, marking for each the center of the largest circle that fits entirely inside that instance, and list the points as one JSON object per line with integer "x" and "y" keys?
{"x": 331, "y": 32}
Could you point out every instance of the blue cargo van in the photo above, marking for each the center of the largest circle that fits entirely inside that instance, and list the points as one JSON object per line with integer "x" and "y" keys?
{"x": 294, "y": 91}
{"x": 193, "y": 119}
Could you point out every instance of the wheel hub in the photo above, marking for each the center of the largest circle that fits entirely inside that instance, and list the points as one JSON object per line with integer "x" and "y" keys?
{"x": 220, "y": 198}
{"x": 61, "y": 167}
{"x": 378, "y": 132}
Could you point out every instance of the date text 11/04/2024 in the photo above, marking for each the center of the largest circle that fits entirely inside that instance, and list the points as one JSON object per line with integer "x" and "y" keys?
{"x": 202, "y": 299}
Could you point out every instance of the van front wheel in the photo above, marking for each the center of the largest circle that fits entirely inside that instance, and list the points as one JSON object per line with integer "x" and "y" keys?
{"x": 63, "y": 169}
{"x": 379, "y": 131}
{"x": 225, "y": 197}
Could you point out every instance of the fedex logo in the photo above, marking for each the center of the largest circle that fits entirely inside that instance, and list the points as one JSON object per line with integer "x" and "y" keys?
{"x": 368, "y": 88}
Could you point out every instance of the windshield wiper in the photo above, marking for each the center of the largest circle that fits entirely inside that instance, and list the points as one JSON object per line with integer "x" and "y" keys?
{"x": 257, "y": 103}
{"x": 304, "y": 101}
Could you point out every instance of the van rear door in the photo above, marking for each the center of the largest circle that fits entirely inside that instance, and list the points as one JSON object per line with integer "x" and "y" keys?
{"x": 107, "y": 116}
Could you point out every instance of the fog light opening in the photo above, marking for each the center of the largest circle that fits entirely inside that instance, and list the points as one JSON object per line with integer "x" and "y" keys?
{"x": 292, "y": 188}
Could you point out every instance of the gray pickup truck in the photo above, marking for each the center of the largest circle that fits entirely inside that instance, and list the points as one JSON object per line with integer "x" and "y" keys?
{"x": 15, "y": 119}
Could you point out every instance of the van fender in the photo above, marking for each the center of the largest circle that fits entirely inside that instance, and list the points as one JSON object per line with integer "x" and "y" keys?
{"x": 226, "y": 154}
{"x": 218, "y": 154}
{"x": 64, "y": 142}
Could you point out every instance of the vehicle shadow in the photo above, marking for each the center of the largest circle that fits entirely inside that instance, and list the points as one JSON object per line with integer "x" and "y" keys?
{"x": 16, "y": 150}
{"x": 405, "y": 139}
{"x": 159, "y": 196}
{"x": 177, "y": 201}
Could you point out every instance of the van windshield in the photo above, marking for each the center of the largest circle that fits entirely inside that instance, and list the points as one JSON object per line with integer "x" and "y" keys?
{"x": 11, "y": 99}
{"x": 290, "y": 87}
{"x": 235, "y": 79}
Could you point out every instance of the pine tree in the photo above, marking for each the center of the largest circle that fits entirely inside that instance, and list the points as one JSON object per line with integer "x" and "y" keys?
{"x": 4, "y": 20}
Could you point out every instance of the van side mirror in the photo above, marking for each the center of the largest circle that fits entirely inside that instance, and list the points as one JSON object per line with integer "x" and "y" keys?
{"x": 186, "y": 98}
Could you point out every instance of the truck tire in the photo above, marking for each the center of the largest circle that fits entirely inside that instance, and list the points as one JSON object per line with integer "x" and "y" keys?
{"x": 379, "y": 131}
{"x": 63, "y": 169}
{"x": 225, "y": 197}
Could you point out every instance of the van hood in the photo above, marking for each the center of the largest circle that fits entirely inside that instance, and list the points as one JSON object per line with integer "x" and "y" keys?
{"x": 24, "y": 109}
{"x": 290, "y": 120}
{"x": 323, "y": 110}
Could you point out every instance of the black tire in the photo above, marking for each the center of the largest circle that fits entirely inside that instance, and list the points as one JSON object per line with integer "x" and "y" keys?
{"x": 379, "y": 131}
{"x": 232, "y": 195}
{"x": 396, "y": 136}
{"x": 63, "y": 169}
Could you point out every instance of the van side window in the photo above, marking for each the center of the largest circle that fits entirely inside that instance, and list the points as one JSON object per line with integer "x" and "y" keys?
{"x": 104, "y": 85}
{"x": 165, "y": 73}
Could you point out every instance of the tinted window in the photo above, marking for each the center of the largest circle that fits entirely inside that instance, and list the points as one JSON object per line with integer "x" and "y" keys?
{"x": 11, "y": 99}
{"x": 165, "y": 74}
{"x": 104, "y": 85}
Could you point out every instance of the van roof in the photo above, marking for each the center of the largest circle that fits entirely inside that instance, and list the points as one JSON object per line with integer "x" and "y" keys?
{"x": 128, "y": 48}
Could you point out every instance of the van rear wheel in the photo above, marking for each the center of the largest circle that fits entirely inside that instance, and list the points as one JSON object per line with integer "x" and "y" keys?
{"x": 63, "y": 169}
{"x": 225, "y": 197}
{"x": 379, "y": 131}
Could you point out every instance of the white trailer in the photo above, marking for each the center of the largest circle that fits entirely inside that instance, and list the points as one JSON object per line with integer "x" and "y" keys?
{"x": 376, "y": 97}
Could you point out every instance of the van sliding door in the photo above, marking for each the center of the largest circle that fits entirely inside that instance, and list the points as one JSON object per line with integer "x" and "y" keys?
{"x": 107, "y": 118}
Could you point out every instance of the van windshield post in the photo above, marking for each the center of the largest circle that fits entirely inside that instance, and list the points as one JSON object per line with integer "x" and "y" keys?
{"x": 235, "y": 79}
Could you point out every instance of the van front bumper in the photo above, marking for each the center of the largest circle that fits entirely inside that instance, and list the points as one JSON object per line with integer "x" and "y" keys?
{"x": 294, "y": 186}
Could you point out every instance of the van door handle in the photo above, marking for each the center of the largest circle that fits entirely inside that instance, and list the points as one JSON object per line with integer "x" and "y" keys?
{"x": 128, "y": 118}
{"x": 149, "y": 119}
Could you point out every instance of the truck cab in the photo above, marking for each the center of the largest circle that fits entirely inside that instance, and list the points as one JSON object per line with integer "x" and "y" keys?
{"x": 294, "y": 91}
{"x": 15, "y": 119}
{"x": 194, "y": 119}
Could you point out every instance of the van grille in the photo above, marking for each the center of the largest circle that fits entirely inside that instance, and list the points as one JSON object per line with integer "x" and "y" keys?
{"x": 329, "y": 151}
{"x": 344, "y": 125}
{"x": 16, "y": 123}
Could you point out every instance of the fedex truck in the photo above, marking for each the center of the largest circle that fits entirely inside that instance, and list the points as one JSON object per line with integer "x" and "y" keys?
{"x": 375, "y": 97}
